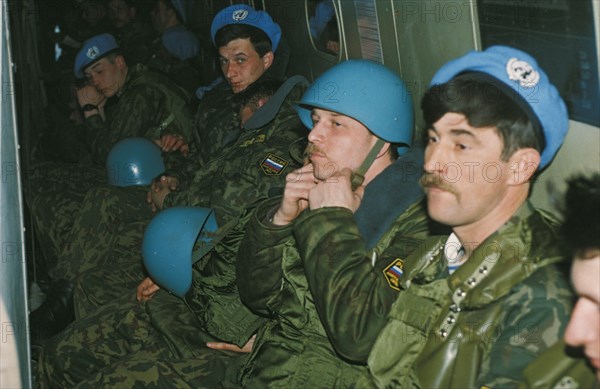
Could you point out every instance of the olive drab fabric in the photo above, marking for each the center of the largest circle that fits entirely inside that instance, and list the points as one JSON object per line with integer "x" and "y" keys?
{"x": 166, "y": 328}
{"x": 112, "y": 215}
{"x": 149, "y": 105}
{"x": 122, "y": 348}
{"x": 135, "y": 40}
{"x": 483, "y": 324}
{"x": 228, "y": 184}
{"x": 560, "y": 366}
{"x": 292, "y": 349}
{"x": 216, "y": 124}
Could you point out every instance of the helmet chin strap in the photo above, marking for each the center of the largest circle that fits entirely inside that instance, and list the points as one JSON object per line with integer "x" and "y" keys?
{"x": 358, "y": 176}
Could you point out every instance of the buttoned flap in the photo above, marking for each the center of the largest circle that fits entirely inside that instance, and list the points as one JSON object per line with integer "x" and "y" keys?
{"x": 420, "y": 305}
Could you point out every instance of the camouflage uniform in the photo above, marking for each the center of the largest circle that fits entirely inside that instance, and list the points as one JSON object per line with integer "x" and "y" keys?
{"x": 293, "y": 350}
{"x": 169, "y": 329}
{"x": 135, "y": 40}
{"x": 484, "y": 323}
{"x": 149, "y": 105}
{"x": 114, "y": 215}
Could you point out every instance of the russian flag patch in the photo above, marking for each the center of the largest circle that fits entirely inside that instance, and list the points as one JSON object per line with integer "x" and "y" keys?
{"x": 273, "y": 165}
{"x": 393, "y": 272}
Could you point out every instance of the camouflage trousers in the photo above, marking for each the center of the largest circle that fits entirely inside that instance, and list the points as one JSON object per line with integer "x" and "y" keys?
{"x": 102, "y": 284}
{"x": 54, "y": 193}
{"x": 108, "y": 229}
{"x": 123, "y": 345}
{"x": 104, "y": 231}
{"x": 105, "y": 246}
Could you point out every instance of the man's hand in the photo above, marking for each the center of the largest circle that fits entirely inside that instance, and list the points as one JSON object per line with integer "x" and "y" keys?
{"x": 336, "y": 191}
{"x": 90, "y": 95}
{"x": 295, "y": 195}
{"x": 146, "y": 289}
{"x": 173, "y": 142}
{"x": 159, "y": 190}
{"x": 232, "y": 347}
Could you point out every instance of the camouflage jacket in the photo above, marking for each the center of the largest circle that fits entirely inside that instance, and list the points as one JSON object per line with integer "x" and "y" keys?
{"x": 293, "y": 349}
{"x": 483, "y": 324}
{"x": 215, "y": 126}
{"x": 149, "y": 105}
{"x": 232, "y": 184}
{"x": 136, "y": 40}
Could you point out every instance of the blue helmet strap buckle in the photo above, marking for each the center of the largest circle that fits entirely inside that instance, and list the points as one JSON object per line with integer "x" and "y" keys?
{"x": 359, "y": 175}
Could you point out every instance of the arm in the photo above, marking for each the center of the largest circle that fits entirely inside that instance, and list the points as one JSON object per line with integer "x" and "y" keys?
{"x": 141, "y": 111}
{"x": 353, "y": 296}
{"x": 259, "y": 271}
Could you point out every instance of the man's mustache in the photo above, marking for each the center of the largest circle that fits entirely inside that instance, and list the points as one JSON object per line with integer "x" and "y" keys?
{"x": 310, "y": 149}
{"x": 433, "y": 180}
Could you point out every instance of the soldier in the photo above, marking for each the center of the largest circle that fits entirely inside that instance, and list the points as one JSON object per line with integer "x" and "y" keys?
{"x": 149, "y": 105}
{"x": 353, "y": 144}
{"x": 177, "y": 47}
{"x": 473, "y": 308}
{"x": 246, "y": 54}
{"x": 581, "y": 230}
{"x": 115, "y": 217}
{"x": 133, "y": 35}
{"x": 163, "y": 333}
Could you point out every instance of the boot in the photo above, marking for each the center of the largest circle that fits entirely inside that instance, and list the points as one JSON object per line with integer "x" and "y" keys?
{"x": 55, "y": 314}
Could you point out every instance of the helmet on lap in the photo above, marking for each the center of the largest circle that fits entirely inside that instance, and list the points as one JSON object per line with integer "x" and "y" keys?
{"x": 134, "y": 162}
{"x": 169, "y": 241}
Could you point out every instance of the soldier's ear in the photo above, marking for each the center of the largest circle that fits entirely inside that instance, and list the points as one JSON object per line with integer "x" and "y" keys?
{"x": 120, "y": 61}
{"x": 523, "y": 164}
{"x": 268, "y": 59}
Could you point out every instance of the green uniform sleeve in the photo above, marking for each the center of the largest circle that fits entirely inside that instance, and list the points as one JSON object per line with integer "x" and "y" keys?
{"x": 351, "y": 291}
{"x": 138, "y": 115}
{"x": 259, "y": 271}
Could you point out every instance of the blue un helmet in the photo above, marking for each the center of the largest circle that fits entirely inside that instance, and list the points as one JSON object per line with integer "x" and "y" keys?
{"x": 520, "y": 77}
{"x": 134, "y": 162}
{"x": 168, "y": 243}
{"x": 365, "y": 91}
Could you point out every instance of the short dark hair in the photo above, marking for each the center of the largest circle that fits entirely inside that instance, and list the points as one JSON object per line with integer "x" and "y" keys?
{"x": 581, "y": 227}
{"x": 484, "y": 104}
{"x": 258, "y": 38}
{"x": 169, "y": 5}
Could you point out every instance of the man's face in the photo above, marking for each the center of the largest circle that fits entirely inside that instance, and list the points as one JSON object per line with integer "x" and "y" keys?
{"x": 241, "y": 64}
{"x": 584, "y": 327}
{"x": 119, "y": 13}
{"x": 107, "y": 77}
{"x": 336, "y": 142}
{"x": 161, "y": 16}
{"x": 92, "y": 12}
{"x": 465, "y": 179}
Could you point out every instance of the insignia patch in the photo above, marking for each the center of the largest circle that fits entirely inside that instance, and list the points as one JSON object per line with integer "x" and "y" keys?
{"x": 240, "y": 15}
{"x": 273, "y": 165}
{"x": 92, "y": 52}
{"x": 523, "y": 72}
{"x": 393, "y": 273}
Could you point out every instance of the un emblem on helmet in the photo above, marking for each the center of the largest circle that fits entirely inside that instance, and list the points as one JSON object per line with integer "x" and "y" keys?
{"x": 92, "y": 52}
{"x": 523, "y": 72}
{"x": 240, "y": 15}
